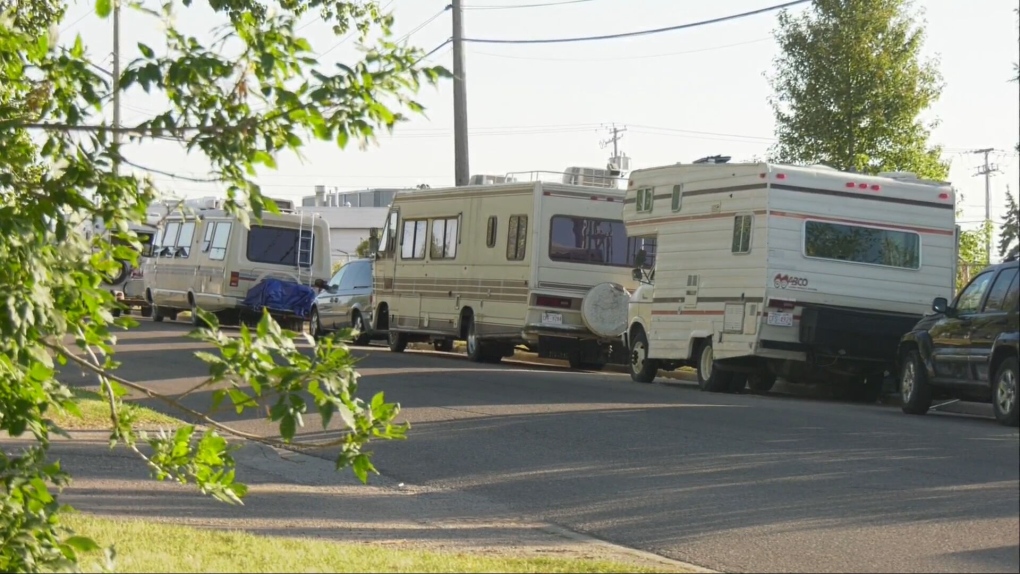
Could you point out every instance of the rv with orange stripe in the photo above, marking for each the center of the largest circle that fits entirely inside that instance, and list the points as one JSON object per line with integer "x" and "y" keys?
{"x": 506, "y": 262}
{"x": 801, "y": 272}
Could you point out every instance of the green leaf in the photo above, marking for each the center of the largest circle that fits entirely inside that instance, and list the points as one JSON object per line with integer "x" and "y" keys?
{"x": 145, "y": 50}
{"x": 82, "y": 543}
{"x": 104, "y": 7}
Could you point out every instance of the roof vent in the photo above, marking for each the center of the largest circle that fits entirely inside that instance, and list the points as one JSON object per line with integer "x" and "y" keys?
{"x": 713, "y": 159}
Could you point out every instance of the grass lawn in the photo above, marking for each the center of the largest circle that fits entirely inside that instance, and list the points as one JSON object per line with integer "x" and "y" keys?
{"x": 155, "y": 547}
{"x": 95, "y": 414}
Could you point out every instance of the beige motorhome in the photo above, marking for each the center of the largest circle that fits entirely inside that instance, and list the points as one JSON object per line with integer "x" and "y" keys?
{"x": 768, "y": 270}
{"x": 506, "y": 264}
{"x": 203, "y": 257}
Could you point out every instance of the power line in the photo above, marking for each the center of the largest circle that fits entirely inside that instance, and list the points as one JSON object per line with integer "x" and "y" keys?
{"x": 512, "y": 6}
{"x": 639, "y": 32}
{"x": 423, "y": 24}
{"x": 622, "y": 58}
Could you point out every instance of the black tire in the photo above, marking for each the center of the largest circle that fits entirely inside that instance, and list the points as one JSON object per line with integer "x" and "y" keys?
{"x": 315, "y": 325}
{"x": 364, "y": 336}
{"x": 761, "y": 381}
{"x": 116, "y": 312}
{"x": 195, "y": 320}
{"x": 398, "y": 341}
{"x": 157, "y": 313}
{"x": 715, "y": 381}
{"x": 738, "y": 382}
{"x": 1004, "y": 393}
{"x": 476, "y": 350}
{"x": 914, "y": 389}
{"x": 642, "y": 369}
{"x": 146, "y": 311}
{"x": 443, "y": 345}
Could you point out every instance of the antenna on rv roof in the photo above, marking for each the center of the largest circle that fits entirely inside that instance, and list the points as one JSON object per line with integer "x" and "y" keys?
{"x": 713, "y": 159}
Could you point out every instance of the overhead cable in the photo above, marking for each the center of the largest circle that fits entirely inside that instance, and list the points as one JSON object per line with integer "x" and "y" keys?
{"x": 639, "y": 32}
{"x": 512, "y": 6}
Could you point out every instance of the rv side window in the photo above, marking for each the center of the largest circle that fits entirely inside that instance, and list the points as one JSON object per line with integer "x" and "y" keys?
{"x": 517, "y": 237}
{"x": 742, "y": 233}
{"x": 185, "y": 238}
{"x": 645, "y": 200}
{"x": 859, "y": 244}
{"x": 575, "y": 239}
{"x": 389, "y": 234}
{"x": 412, "y": 244}
{"x": 218, "y": 251}
{"x": 490, "y": 232}
{"x": 207, "y": 238}
{"x": 444, "y": 239}
{"x": 169, "y": 242}
{"x": 678, "y": 193}
{"x": 279, "y": 246}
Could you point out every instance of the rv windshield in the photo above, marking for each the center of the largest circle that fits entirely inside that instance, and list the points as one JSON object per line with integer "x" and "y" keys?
{"x": 576, "y": 239}
{"x": 279, "y": 246}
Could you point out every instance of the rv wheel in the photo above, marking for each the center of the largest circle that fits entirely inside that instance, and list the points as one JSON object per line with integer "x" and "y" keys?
{"x": 642, "y": 369}
{"x": 398, "y": 341}
{"x": 157, "y": 313}
{"x": 761, "y": 381}
{"x": 710, "y": 377}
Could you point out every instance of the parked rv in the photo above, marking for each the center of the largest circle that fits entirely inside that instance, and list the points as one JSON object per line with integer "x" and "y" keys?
{"x": 532, "y": 263}
{"x": 127, "y": 285}
{"x": 767, "y": 270}
{"x": 204, "y": 257}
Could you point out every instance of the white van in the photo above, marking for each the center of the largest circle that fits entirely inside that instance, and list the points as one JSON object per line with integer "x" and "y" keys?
{"x": 204, "y": 257}
{"x": 804, "y": 272}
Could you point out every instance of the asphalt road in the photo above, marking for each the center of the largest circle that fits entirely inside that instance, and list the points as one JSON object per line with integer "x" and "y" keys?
{"x": 729, "y": 482}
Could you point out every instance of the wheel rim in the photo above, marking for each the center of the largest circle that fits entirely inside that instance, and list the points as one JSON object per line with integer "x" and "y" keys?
{"x": 707, "y": 360}
{"x": 1005, "y": 392}
{"x": 358, "y": 324}
{"x": 394, "y": 337}
{"x": 315, "y": 323}
{"x": 637, "y": 357}
{"x": 908, "y": 381}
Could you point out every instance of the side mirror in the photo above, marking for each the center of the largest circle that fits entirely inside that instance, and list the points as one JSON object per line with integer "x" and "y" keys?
{"x": 332, "y": 288}
{"x": 940, "y": 305}
{"x": 640, "y": 258}
{"x": 636, "y": 274}
{"x": 373, "y": 240}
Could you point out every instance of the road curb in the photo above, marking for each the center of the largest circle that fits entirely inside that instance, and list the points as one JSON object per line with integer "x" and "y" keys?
{"x": 641, "y": 554}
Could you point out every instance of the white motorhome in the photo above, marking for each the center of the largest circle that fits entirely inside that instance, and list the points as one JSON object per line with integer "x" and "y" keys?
{"x": 802, "y": 272}
{"x": 500, "y": 265}
{"x": 204, "y": 257}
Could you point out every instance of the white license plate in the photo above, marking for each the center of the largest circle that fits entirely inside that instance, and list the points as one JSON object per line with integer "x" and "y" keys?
{"x": 550, "y": 318}
{"x": 780, "y": 319}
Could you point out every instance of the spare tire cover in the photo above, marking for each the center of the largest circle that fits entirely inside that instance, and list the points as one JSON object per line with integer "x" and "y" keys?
{"x": 604, "y": 309}
{"x": 125, "y": 269}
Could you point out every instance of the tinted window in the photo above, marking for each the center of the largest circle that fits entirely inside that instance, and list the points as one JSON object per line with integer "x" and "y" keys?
{"x": 969, "y": 300}
{"x": 742, "y": 225}
{"x": 593, "y": 241}
{"x": 517, "y": 238}
{"x": 358, "y": 276}
{"x": 860, "y": 244}
{"x": 279, "y": 246}
{"x": 998, "y": 297}
{"x": 490, "y": 232}
{"x": 338, "y": 276}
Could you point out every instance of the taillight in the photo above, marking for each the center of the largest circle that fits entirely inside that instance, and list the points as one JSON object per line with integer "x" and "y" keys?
{"x": 543, "y": 301}
{"x": 235, "y": 277}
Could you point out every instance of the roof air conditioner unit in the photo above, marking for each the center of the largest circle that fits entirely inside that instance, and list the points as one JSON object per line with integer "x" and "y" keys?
{"x": 590, "y": 177}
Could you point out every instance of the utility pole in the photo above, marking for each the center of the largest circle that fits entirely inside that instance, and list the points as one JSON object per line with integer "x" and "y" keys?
{"x": 116, "y": 84}
{"x": 462, "y": 169}
{"x": 987, "y": 170}
{"x": 617, "y": 135}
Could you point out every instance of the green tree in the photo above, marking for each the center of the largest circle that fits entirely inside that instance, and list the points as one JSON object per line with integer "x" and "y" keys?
{"x": 362, "y": 248}
{"x": 1009, "y": 234}
{"x": 850, "y": 87}
{"x": 253, "y": 91}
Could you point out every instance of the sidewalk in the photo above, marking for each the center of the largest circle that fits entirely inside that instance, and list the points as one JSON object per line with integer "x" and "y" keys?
{"x": 296, "y": 495}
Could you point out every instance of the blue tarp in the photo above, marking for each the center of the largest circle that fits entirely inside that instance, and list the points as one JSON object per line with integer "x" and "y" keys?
{"x": 285, "y": 296}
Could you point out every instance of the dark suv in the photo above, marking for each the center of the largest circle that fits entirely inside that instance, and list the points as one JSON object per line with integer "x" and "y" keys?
{"x": 967, "y": 350}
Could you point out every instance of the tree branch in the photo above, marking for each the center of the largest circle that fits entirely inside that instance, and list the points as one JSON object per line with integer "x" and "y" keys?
{"x": 99, "y": 370}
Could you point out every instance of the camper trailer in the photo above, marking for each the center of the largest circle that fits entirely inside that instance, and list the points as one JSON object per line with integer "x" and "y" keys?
{"x": 519, "y": 263}
{"x": 765, "y": 270}
{"x": 204, "y": 257}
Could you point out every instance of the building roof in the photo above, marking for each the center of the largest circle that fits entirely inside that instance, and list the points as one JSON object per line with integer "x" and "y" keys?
{"x": 350, "y": 217}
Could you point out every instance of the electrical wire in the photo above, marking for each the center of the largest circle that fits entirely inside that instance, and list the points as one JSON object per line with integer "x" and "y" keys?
{"x": 639, "y": 32}
{"x": 512, "y": 6}
{"x": 621, "y": 58}
{"x": 423, "y": 24}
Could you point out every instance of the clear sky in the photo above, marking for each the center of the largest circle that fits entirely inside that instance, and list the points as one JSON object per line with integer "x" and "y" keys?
{"x": 682, "y": 95}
